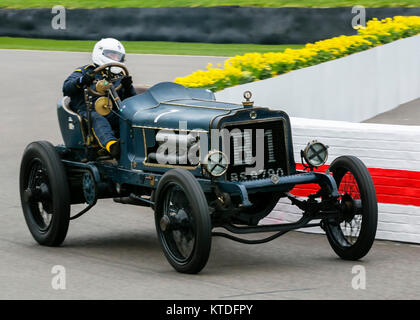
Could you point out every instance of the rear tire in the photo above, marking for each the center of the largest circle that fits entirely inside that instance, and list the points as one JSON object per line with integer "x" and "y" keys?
{"x": 359, "y": 209}
{"x": 44, "y": 193}
{"x": 183, "y": 221}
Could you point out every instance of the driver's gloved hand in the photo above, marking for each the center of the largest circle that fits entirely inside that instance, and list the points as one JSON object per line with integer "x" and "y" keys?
{"x": 87, "y": 79}
{"x": 126, "y": 82}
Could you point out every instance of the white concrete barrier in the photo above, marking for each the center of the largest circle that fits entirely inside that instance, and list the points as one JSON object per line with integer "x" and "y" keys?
{"x": 392, "y": 154}
{"x": 353, "y": 88}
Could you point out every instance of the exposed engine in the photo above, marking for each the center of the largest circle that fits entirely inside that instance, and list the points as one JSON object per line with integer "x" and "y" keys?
{"x": 175, "y": 148}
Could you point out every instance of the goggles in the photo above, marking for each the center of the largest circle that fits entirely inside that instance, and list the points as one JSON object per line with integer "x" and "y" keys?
{"x": 114, "y": 55}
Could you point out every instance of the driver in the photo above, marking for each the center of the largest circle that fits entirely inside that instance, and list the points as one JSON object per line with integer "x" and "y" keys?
{"x": 105, "y": 51}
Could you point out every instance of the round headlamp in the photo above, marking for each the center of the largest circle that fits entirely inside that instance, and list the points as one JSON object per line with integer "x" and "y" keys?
{"x": 216, "y": 163}
{"x": 315, "y": 153}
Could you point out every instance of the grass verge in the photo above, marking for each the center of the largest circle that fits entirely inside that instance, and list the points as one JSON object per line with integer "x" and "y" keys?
{"x": 148, "y": 47}
{"x": 20, "y": 4}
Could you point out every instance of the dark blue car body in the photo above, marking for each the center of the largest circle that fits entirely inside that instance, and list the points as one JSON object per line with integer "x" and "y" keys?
{"x": 162, "y": 107}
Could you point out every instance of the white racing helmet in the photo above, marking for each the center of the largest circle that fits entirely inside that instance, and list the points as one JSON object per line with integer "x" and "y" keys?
{"x": 109, "y": 50}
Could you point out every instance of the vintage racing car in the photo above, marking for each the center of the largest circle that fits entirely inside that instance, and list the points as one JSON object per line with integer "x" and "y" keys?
{"x": 202, "y": 165}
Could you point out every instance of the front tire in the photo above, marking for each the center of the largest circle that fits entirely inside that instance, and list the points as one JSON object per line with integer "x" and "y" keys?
{"x": 352, "y": 237}
{"x": 44, "y": 193}
{"x": 183, "y": 221}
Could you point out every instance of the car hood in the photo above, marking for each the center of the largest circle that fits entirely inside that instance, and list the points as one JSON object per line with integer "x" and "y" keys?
{"x": 170, "y": 105}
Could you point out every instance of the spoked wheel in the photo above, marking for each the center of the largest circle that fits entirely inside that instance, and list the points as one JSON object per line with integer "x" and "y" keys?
{"x": 182, "y": 221}
{"x": 352, "y": 236}
{"x": 44, "y": 194}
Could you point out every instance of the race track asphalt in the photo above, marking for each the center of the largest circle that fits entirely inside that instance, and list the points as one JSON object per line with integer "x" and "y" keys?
{"x": 112, "y": 252}
{"x": 407, "y": 114}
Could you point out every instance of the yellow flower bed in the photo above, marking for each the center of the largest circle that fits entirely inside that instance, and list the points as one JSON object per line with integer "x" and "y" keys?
{"x": 256, "y": 66}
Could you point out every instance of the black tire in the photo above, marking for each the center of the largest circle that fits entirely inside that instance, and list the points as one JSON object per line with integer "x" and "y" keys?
{"x": 359, "y": 206}
{"x": 44, "y": 193}
{"x": 183, "y": 221}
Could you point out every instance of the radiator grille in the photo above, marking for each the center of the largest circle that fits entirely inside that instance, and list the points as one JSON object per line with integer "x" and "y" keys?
{"x": 244, "y": 164}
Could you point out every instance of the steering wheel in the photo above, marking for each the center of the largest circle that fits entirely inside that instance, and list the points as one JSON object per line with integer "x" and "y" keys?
{"x": 108, "y": 67}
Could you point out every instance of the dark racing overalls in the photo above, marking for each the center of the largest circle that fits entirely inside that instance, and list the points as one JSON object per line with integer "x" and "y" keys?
{"x": 101, "y": 126}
